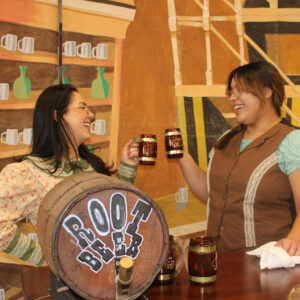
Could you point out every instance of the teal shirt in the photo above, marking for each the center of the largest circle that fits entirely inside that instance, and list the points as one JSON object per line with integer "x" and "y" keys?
{"x": 288, "y": 152}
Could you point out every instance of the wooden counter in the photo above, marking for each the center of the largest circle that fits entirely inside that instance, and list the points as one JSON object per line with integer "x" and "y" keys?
{"x": 238, "y": 278}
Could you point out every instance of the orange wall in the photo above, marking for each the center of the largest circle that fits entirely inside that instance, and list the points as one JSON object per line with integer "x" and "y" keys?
{"x": 148, "y": 99}
{"x": 148, "y": 102}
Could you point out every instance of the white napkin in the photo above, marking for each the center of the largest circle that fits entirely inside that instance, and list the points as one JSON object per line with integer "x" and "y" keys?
{"x": 272, "y": 257}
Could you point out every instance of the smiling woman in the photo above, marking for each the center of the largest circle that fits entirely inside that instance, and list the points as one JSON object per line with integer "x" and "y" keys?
{"x": 61, "y": 125}
{"x": 252, "y": 195}
{"x": 79, "y": 118}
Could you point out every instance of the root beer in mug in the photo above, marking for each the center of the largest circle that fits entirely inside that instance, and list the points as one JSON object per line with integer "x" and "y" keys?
{"x": 173, "y": 143}
{"x": 202, "y": 260}
{"x": 147, "y": 149}
{"x": 173, "y": 263}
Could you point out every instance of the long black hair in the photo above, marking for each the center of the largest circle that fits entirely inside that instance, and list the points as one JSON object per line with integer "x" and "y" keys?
{"x": 254, "y": 78}
{"x": 51, "y": 134}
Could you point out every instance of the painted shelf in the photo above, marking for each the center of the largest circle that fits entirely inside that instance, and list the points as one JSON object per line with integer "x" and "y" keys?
{"x": 108, "y": 21}
{"x": 111, "y": 19}
{"x": 12, "y": 151}
{"x": 30, "y": 105}
{"x": 7, "y": 151}
{"x": 16, "y": 104}
{"x": 50, "y": 58}
{"x": 219, "y": 90}
{"x": 98, "y": 140}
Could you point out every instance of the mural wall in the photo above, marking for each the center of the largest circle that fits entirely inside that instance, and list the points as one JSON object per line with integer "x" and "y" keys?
{"x": 177, "y": 57}
{"x": 143, "y": 67}
{"x": 44, "y": 43}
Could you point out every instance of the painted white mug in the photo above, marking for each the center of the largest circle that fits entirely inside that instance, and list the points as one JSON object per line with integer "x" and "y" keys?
{"x": 98, "y": 127}
{"x": 9, "y": 42}
{"x": 10, "y": 137}
{"x": 181, "y": 198}
{"x": 84, "y": 50}
{"x": 69, "y": 48}
{"x": 100, "y": 51}
{"x": 26, "y": 44}
{"x": 25, "y": 137}
{"x": 4, "y": 91}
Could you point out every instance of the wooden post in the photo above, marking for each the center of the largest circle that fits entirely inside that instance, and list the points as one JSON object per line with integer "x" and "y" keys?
{"x": 239, "y": 28}
{"x": 173, "y": 29}
{"x": 206, "y": 27}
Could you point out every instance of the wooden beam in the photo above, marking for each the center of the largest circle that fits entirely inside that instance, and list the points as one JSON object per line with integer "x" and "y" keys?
{"x": 261, "y": 14}
{"x": 214, "y": 90}
{"x": 264, "y": 14}
{"x": 218, "y": 90}
{"x": 115, "y": 113}
{"x": 109, "y": 10}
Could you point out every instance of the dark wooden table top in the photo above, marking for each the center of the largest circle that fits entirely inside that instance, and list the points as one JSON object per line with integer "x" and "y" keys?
{"x": 238, "y": 278}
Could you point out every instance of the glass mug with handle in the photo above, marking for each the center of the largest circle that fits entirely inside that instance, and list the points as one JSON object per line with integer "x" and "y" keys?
{"x": 201, "y": 260}
{"x": 173, "y": 143}
{"x": 147, "y": 149}
{"x": 173, "y": 263}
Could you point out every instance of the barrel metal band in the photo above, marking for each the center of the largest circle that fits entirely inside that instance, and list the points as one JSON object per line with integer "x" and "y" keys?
{"x": 203, "y": 279}
{"x": 165, "y": 276}
{"x": 173, "y": 133}
{"x": 147, "y": 139}
{"x": 147, "y": 158}
{"x": 175, "y": 152}
{"x": 202, "y": 249}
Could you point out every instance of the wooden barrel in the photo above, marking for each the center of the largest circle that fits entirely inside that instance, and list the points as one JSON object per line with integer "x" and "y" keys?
{"x": 87, "y": 223}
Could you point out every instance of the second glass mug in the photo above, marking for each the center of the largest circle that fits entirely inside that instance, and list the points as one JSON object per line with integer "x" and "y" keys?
{"x": 173, "y": 263}
{"x": 147, "y": 149}
{"x": 202, "y": 260}
{"x": 173, "y": 143}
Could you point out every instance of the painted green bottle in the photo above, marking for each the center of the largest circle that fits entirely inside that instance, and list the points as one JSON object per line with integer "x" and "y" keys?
{"x": 64, "y": 79}
{"x": 22, "y": 85}
{"x": 100, "y": 87}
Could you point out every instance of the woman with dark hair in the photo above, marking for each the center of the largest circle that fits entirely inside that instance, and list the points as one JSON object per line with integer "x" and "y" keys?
{"x": 252, "y": 183}
{"x": 61, "y": 125}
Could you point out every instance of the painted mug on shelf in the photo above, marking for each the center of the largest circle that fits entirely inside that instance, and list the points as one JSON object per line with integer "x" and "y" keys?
{"x": 25, "y": 137}
{"x": 26, "y": 44}
{"x": 84, "y": 50}
{"x": 9, "y": 42}
{"x": 10, "y": 137}
{"x": 181, "y": 198}
{"x": 69, "y": 48}
{"x": 100, "y": 51}
{"x": 4, "y": 91}
{"x": 98, "y": 127}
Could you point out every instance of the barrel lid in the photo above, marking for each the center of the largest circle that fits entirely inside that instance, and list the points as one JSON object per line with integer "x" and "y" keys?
{"x": 87, "y": 223}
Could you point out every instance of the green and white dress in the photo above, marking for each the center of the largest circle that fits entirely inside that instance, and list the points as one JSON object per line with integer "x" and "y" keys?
{"x": 23, "y": 186}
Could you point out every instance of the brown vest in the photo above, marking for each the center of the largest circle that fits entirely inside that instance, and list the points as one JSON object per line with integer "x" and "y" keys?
{"x": 250, "y": 199}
